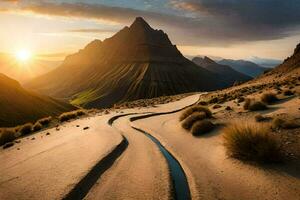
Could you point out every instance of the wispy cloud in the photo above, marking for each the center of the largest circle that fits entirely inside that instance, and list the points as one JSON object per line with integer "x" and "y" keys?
{"x": 206, "y": 22}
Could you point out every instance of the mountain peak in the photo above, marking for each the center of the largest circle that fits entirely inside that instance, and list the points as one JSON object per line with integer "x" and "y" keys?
{"x": 297, "y": 49}
{"x": 208, "y": 60}
{"x": 140, "y": 23}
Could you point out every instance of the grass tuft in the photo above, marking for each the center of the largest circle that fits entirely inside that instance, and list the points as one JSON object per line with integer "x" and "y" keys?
{"x": 269, "y": 98}
{"x": 188, "y": 111}
{"x": 190, "y": 120}
{"x": 37, "y": 126}
{"x": 45, "y": 121}
{"x": 251, "y": 142}
{"x": 202, "y": 127}
{"x": 6, "y": 136}
{"x": 26, "y": 129}
{"x": 253, "y": 105}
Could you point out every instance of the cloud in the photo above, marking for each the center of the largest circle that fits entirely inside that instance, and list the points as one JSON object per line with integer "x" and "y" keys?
{"x": 92, "y": 30}
{"x": 204, "y": 22}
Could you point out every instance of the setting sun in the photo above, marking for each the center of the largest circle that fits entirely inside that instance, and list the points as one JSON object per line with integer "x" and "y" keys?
{"x": 23, "y": 55}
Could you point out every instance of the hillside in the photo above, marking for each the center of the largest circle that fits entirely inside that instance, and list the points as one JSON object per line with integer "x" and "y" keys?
{"x": 229, "y": 74}
{"x": 138, "y": 62}
{"x": 20, "y": 106}
{"x": 245, "y": 67}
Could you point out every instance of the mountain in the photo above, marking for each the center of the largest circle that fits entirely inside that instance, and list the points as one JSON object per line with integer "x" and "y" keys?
{"x": 291, "y": 63}
{"x": 138, "y": 62}
{"x": 229, "y": 74}
{"x": 23, "y": 72}
{"x": 19, "y": 106}
{"x": 265, "y": 62}
{"x": 245, "y": 67}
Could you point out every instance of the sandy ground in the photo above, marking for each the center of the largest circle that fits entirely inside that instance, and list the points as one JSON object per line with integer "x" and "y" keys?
{"x": 217, "y": 176}
{"x": 49, "y": 166}
{"x": 141, "y": 172}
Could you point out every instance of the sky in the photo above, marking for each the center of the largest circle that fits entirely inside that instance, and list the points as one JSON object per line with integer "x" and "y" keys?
{"x": 237, "y": 29}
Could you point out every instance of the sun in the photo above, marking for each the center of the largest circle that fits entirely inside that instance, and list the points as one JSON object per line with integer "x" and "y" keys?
{"x": 23, "y": 55}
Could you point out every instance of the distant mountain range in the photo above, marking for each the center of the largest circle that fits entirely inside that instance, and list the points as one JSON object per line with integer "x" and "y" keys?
{"x": 20, "y": 106}
{"x": 232, "y": 76}
{"x": 265, "y": 62}
{"x": 137, "y": 62}
{"x": 245, "y": 67}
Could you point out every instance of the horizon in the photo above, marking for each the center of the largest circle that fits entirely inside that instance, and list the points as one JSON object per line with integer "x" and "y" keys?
{"x": 53, "y": 30}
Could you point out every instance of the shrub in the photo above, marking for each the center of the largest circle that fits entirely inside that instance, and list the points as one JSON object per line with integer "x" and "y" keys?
{"x": 278, "y": 123}
{"x": 251, "y": 142}
{"x": 216, "y": 106}
{"x": 187, "y": 112}
{"x": 37, "y": 126}
{"x": 240, "y": 99}
{"x": 260, "y": 118}
{"x": 253, "y": 105}
{"x": 80, "y": 112}
{"x": 228, "y": 108}
{"x": 202, "y": 127}
{"x": 6, "y": 135}
{"x": 288, "y": 92}
{"x": 269, "y": 98}
{"x": 45, "y": 121}
{"x": 26, "y": 129}
{"x": 190, "y": 120}
{"x": 67, "y": 116}
{"x": 203, "y": 103}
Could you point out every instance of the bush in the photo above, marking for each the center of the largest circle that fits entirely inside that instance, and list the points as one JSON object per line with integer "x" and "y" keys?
{"x": 190, "y": 120}
{"x": 67, "y": 116}
{"x": 240, "y": 99}
{"x": 251, "y": 142}
{"x": 37, "y": 126}
{"x": 253, "y": 105}
{"x": 278, "y": 123}
{"x": 80, "y": 112}
{"x": 260, "y": 118}
{"x": 45, "y": 121}
{"x": 6, "y": 135}
{"x": 269, "y": 98}
{"x": 288, "y": 93}
{"x": 216, "y": 106}
{"x": 187, "y": 112}
{"x": 202, "y": 127}
{"x": 26, "y": 129}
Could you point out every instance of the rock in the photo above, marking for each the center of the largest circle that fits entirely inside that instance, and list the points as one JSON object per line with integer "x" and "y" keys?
{"x": 85, "y": 128}
{"x": 48, "y": 133}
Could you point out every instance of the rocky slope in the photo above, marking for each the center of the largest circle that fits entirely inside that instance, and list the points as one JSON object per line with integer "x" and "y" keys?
{"x": 138, "y": 62}
{"x": 229, "y": 74}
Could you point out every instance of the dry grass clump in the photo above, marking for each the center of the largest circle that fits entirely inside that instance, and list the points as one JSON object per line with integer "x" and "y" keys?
{"x": 279, "y": 123}
{"x": 288, "y": 92}
{"x": 190, "y": 120}
{"x": 216, "y": 106}
{"x": 240, "y": 99}
{"x": 45, "y": 121}
{"x": 251, "y": 142}
{"x": 26, "y": 129}
{"x": 269, "y": 98}
{"x": 37, "y": 126}
{"x": 6, "y": 136}
{"x": 71, "y": 115}
{"x": 201, "y": 127}
{"x": 187, "y": 112}
{"x": 253, "y": 105}
{"x": 261, "y": 118}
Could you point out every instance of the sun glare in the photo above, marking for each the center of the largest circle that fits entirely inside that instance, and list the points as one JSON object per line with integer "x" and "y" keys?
{"x": 23, "y": 55}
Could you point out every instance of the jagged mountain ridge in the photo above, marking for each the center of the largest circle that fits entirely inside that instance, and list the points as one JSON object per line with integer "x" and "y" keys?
{"x": 231, "y": 75}
{"x": 138, "y": 62}
{"x": 19, "y": 106}
{"x": 246, "y": 67}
